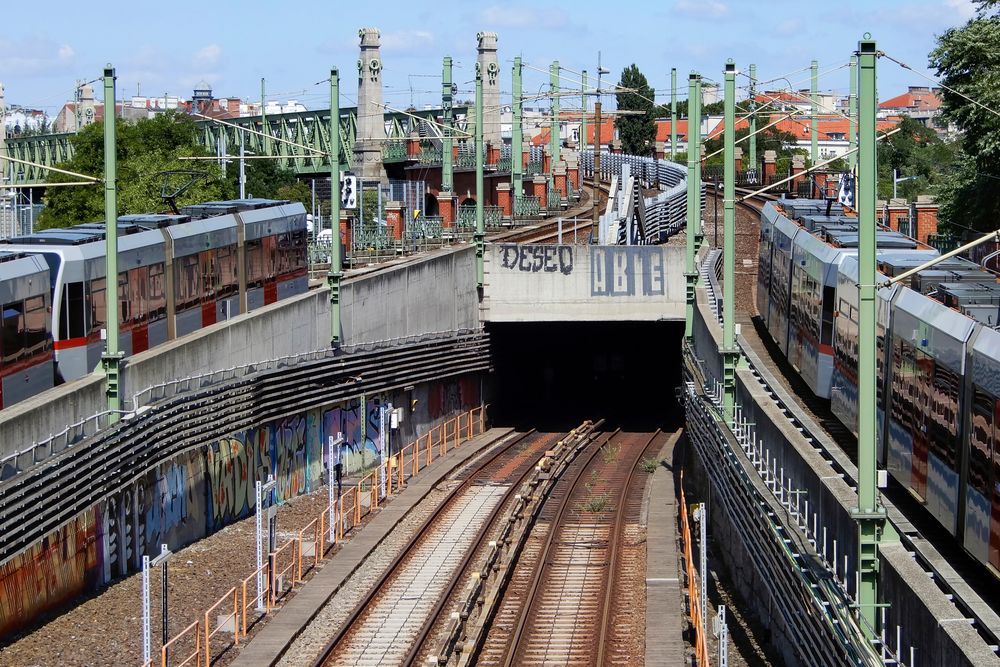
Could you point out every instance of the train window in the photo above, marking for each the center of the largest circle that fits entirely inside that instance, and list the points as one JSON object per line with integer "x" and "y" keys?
{"x": 36, "y": 325}
{"x": 12, "y": 339}
{"x": 72, "y": 318}
{"x": 98, "y": 307}
{"x": 228, "y": 280}
{"x": 829, "y": 297}
{"x": 187, "y": 282}
{"x": 209, "y": 278}
{"x": 255, "y": 263}
{"x": 138, "y": 282}
{"x": 124, "y": 307}
{"x": 157, "y": 308}
{"x": 983, "y": 408}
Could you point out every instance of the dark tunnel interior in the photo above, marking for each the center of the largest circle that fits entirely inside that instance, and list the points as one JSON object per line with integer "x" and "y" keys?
{"x": 554, "y": 375}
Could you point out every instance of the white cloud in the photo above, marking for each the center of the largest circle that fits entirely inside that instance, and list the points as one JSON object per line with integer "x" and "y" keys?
{"x": 208, "y": 56}
{"x": 502, "y": 16}
{"x": 964, "y": 9}
{"x": 34, "y": 56}
{"x": 704, "y": 9}
{"x": 406, "y": 41}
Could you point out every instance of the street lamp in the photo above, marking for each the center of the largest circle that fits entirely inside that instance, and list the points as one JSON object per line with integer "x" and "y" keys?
{"x": 896, "y": 178}
{"x": 160, "y": 560}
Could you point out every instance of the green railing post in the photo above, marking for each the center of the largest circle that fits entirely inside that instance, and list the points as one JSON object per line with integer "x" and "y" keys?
{"x": 693, "y": 207}
{"x": 447, "y": 179}
{"x": 480, "y": 236}
{"x": 517, "y": 136}
{"x": 852, "y": 107}
{"x": 753, "y": 118}
{"x": 336, "y": 260}
{"x": 112, "y": 357}
{"x": 869, "y": 514}
{"x": 673, "y": 113}
{"x": 730, "y": 352}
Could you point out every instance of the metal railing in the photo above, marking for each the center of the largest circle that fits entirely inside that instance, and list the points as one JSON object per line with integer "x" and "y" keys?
{"x": 430, "y": 156}
{"x": 492, "y": 217}
{"x": 533, "y": 168}
{"x": 527, "y": 206}
{"x": 394, "y": 151}
{"x": 553, "y": 200}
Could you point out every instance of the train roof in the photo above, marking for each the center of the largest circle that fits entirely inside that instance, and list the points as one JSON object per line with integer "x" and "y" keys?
{"x": 892, "y": 264}
{"x": 983, "y": 313}
{"x": 986, "y": 360}
{"x": 213, "y": 208}
{"x": 888, "y": 240}
{"x": 58, "y": 236}
{"x": 929, "y": 324}
{"x": 154, "y": 220}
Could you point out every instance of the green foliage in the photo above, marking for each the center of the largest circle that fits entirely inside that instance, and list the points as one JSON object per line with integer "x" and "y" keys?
{"x": 967, "y": 60}
{"x": 915, "y": 150}
{"x": 650, "y": 464}
{"x": 369, "y": 206}
{"x": 637, "y": 132}
{"x": 145, "y": 148}
{"x": 771, "y": 139}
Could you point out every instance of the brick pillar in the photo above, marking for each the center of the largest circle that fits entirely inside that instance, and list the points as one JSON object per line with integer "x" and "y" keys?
{"x": 898, "y": 208}
{"x": 413, "y": 146}
{"x": 525, "y": 158}
{"x": 738, "y": 159}
{"x": 538, "y": 189}
{"x": 394, "y": 219}
{"x": 559, "y": 179}
{"x": 616, "y": 147}
{"x": 573, "y": 171}
{"x": 770, "y": 157}
{"x": 798, "y": 166}
{"x": 660, "y": 149}
{"x": 454, "y": 152}
{"x": 492, "y": 154}
{"x": 446, "y": 208}
{"x": 926, "y": 215}
{"x": 546, "y": 160}
{"x": 345, "y": 231}
{"x": 503, "y": 200}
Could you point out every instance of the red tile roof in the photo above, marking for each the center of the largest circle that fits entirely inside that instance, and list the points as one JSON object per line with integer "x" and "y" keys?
{"x": 799, "y": 126}
{"x": 663, "y": 130}
{"x": 918, "y": 99}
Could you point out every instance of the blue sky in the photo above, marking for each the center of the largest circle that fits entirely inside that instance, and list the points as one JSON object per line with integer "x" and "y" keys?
{"x": 293, "y": 45}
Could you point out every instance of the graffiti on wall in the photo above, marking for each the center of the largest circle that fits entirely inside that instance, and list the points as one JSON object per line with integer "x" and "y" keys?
{"x": 626, "y": 271}
{"x": 537, "y": 258}
{"x": 346, "y": 418}
{"x": 446, "y": 398}
{"x": 49, "y": 574}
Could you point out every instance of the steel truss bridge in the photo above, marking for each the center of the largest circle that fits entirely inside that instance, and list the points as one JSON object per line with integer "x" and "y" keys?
{"x": 306, "y": 128}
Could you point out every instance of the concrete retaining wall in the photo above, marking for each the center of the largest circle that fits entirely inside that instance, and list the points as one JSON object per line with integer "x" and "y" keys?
{"x": 567, "y": 283}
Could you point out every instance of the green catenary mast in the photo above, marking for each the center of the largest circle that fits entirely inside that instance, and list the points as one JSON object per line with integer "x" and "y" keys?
{"x": 111, "y": 360}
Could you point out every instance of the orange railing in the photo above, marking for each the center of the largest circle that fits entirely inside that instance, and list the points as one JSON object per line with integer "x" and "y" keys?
{"x": 192, "y": 658}
{"x": 694, "y": 596}
{"x": 283, "y": 570}
{"x": 354, "y": 504}
{"x": 232, "y": 595}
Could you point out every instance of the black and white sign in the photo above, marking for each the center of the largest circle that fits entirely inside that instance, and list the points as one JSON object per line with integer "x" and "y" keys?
{"x": 348, "y": 191}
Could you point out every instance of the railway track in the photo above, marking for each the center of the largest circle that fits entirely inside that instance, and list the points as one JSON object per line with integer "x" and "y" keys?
{"x": 388, "y": 621}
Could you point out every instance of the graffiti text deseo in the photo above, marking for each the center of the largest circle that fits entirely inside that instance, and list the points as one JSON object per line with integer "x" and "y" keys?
{"x": 626, "y": 271}
{"x": 535, "y": 258}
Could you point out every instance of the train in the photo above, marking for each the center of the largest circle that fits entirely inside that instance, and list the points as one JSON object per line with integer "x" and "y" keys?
{"x": 177, "y": 273}
{"x": 938, "y": 356}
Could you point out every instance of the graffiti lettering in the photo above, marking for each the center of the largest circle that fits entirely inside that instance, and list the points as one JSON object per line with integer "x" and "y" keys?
{"x": 535, "y": 258}
{"x": 626, "y": 271}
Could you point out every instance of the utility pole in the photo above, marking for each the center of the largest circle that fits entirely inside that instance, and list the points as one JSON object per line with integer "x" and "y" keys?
{"x": 263, "y": 121}
{"x": 517, "y": 137}
{"x": 583, "y": 118}
{"x": 554, "y": 131}
{"x": 814, "y": 123}
{"x": 869, "y": 514}
{"x": 336, "y": 261}
{"x": 673, "y": 113}
{"x": 693, "y": 204}
{"x": 699, "y": 235}
{"x": 447, "y": 176}
{"x": 730, "y": 352}
{"x": 480, "y": 237}
{"x": 753, "y": 119}
{"x": 852, "y": 109}
{"x": 112, "y": 357}
{"x": 595, "y": 236}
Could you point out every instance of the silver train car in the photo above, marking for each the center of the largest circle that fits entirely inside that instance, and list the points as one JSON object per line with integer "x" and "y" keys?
{"x": 177, "y": 274}
{"x": 26, "y": 358}
{"x": 938, "y": 359}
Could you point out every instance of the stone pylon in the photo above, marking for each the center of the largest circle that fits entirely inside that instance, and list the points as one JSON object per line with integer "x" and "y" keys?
{"x": 371, "y": 125}
{"x": 490, "y": 67}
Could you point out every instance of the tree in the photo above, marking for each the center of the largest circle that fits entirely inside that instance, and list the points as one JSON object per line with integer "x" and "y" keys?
{"x": 915, "y": 151}
{"x": 771, "y": 139}
{"x": 967, "y": 60}
{"x": 636, "y": 131}
{"x": 145, "y": 149}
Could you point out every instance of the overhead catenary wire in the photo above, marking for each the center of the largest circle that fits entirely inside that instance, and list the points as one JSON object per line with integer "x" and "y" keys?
{"x": 979, "y": 104}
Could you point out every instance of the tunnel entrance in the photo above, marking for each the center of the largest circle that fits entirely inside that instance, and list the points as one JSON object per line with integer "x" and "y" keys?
{"x": 557, "y": 374}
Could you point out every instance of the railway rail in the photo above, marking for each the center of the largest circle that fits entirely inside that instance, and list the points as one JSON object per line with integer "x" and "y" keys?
{"x": 389, "y": 620}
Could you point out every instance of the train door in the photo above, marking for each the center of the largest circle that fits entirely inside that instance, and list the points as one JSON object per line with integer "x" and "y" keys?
{"x": 270, "y": 244}
{"x": 994, "y": 548}
{"x": 138, "y": 286}
{"x": 206, "y": 264}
